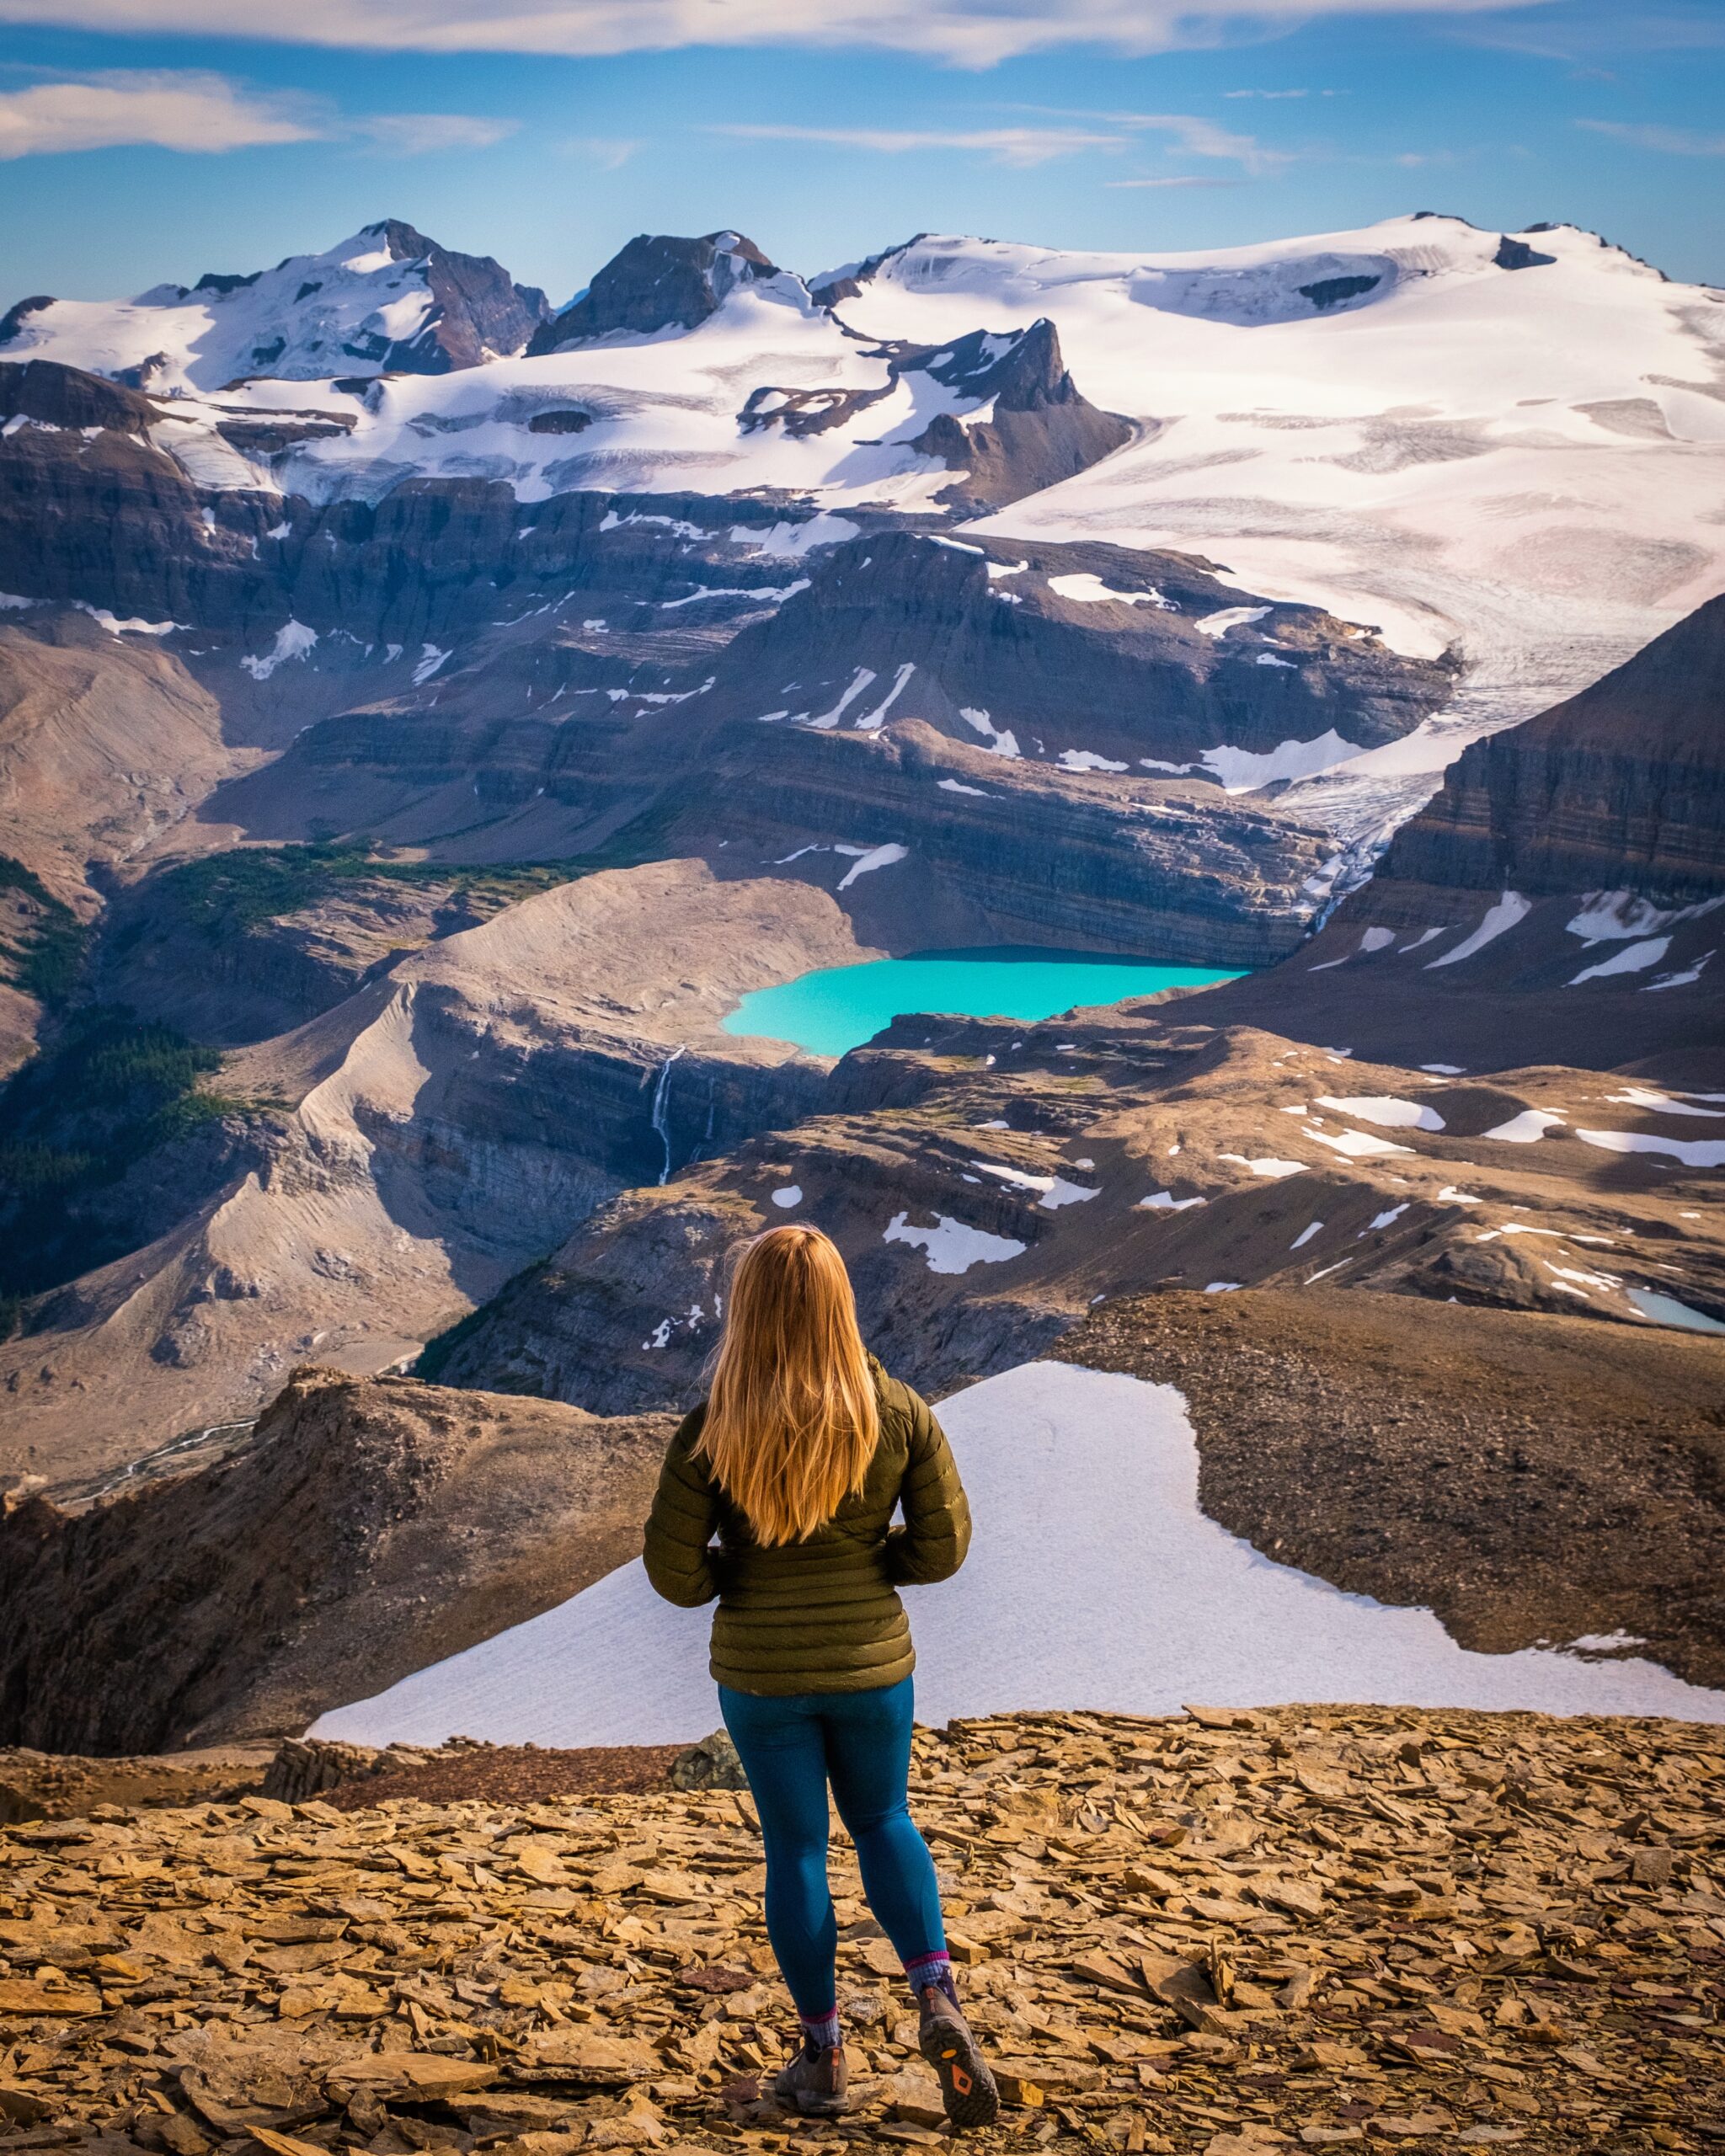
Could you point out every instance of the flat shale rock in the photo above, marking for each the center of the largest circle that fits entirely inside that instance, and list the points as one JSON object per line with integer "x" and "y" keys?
{"x": 1242, "y": 1934}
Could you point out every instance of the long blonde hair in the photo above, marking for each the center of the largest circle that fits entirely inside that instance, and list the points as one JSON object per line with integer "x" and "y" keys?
{"x": 792, "y": 1420}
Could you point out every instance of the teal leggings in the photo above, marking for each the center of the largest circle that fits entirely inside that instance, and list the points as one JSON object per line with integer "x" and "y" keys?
{"x": 861, "y": 1742}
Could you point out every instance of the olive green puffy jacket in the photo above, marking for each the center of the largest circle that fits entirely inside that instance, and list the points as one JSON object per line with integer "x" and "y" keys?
{"x": 821, "y": 1615}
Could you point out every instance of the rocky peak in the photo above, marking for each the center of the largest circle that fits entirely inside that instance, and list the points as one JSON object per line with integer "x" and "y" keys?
{"x": 1021, "y": 370}
{"x": 658, "y": 281}
{"x": 388, "y": 299}
{"x": 54, "y": 396}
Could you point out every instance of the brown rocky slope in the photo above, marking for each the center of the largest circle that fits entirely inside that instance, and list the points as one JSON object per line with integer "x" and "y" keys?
{"x": 367, "y": 1527}
{"x": 1531, "y": 1479}
{"x": 1239, "y": 1934}
{"x": 1109, "y": 1152}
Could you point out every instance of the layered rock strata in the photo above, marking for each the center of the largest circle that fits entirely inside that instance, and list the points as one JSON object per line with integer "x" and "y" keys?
{"x": 1560, "y": 898}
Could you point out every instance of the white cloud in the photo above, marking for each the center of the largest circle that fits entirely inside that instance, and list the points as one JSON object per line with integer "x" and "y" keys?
{"x": 970, "y": 33}
{"x": 1004, "y": 146}
{"x": 412, "y": 134}
{"x": 1272, "y": 94}
{"x": 611, "y": 153}
{"x": 196, "y": 109}
{"x": 1189, "y": 135}
{"x": 1203, "y": 138}
{"x": 1673, "y": 141}
{"x": 173, "y": 109}
{"x": 1178, "y": 179}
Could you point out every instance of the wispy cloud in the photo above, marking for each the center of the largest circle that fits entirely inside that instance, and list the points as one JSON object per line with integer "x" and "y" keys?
{"x": 173, "y": 108}
{"x": 1275, "y": 94}
{"x": 1673, "y": 141}
{"x": 1188, "y": 133}
{"x": 1002, "y": 146}
{"x": 1179, "y": 179}
{"x": 196, "y": 109}
{"x": 412, "y": 134}
{"x": 609, "y": 153}
{"x": 966, "y": 33}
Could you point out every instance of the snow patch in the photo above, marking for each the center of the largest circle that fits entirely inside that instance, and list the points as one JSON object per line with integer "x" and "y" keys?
{"x": 1509, "y": 910}
{"x": 1525, "y": 1128}
{"x": 1385, "y": 1110}
{"x": 293, "y": 640}
{"x": 1087, "y": 590}
{"x": 1693, "y": 1152}
{"x": 1002, "y": 741}
{"x": 877, "y": 856}
{"x": 1243, "y": 770}
{"x": 1357, "y": 1144}
{"x": 1091, "y": 1552}
{"x": 952, "y": 1246}
{"x": 1086, "y": 759}
{"x": 1632, "y": 958}
{"x": 1230, "y": 617}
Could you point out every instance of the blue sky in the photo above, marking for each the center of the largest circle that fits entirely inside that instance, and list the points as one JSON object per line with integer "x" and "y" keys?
{"x": 144, "y": 140}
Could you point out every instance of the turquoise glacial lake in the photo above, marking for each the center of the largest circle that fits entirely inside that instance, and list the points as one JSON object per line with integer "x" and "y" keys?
{"x": 836, "y": 1009}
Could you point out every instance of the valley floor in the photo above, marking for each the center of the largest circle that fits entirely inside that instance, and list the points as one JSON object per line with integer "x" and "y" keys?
{"x": 1236, "y": 1932}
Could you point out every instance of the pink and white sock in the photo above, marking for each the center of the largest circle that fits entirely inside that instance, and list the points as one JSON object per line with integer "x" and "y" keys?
{"x": 935, "y": 1969}
{"x": 821, "y": 2032}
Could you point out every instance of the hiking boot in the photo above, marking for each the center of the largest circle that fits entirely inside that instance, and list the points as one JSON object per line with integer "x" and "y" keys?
{"x": 814, "y": 2082}
{"x": 967, "y": 2087}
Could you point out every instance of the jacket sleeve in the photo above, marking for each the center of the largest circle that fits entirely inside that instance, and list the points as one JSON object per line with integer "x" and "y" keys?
{"x": 679, "y": 1564}
{"x": 932, "y": 1543}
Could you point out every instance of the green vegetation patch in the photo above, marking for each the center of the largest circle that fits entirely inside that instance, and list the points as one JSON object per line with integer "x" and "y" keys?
{"x": 44, "y": 953}
{"x": 226, "y": 893}
{"x": 106, "y": 1092}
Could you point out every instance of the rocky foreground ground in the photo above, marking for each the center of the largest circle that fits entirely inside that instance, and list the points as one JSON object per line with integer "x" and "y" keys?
{"x": 1233, "y": 1932}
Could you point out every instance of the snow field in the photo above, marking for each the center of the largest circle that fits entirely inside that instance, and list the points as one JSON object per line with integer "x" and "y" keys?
{"x": 1094, "y": 1582}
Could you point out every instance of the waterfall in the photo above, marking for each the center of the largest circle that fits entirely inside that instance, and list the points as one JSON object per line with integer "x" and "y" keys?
{"x": 661, "y": 1100}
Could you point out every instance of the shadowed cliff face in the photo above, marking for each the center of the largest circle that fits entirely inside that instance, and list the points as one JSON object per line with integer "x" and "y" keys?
{"x": 1561, "y": 899}
{"x": 1069, "y": 650}
{"x": 1621, "y": 787}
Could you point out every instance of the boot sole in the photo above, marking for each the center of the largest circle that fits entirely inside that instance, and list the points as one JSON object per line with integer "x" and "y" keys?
{"x": 967, "y": 2087}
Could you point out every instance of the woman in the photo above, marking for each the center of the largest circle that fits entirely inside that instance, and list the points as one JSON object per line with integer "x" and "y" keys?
{"x": 797, "y": 1459}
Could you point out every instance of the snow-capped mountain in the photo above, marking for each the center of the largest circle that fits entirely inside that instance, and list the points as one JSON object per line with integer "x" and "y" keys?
{"x": 1512, "y": 443}
{"x": 386, "y": 301}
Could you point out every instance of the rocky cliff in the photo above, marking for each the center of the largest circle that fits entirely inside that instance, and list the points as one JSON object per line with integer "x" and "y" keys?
{"x": 1620, "y": 787}
{"x": 658, "y": 282}
{"x": 367, "y": 1527}
{"x": 1560, "y": 898}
